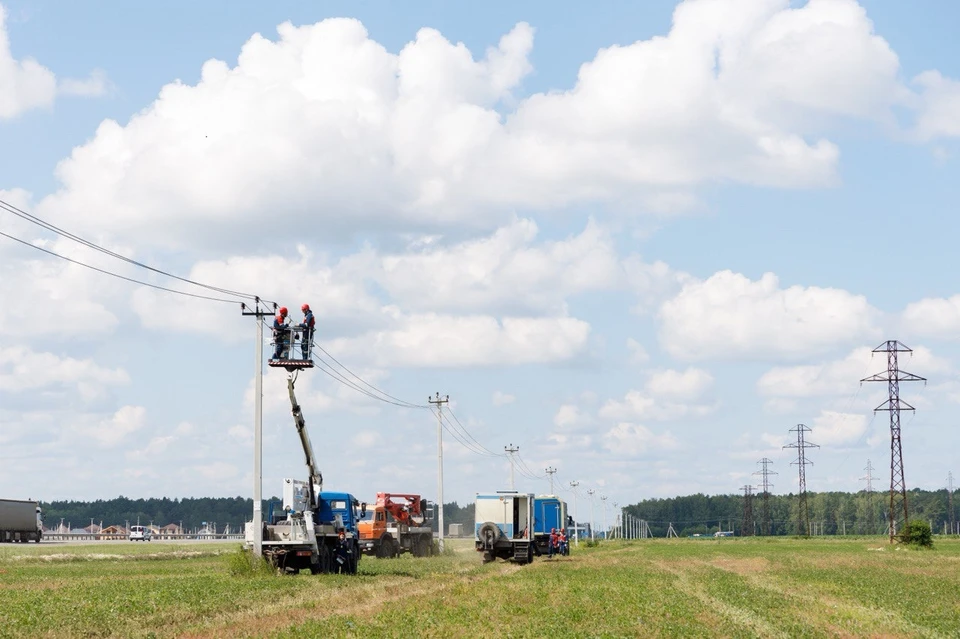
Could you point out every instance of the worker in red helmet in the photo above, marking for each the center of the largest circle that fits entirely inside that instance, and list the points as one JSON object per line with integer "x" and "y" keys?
{"x": 308, "y": 325}
{"x": 281, "y": 334}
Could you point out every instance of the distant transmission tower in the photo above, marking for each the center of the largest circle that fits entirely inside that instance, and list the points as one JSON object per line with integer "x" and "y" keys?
{"x": 950, "y": 500}
{"x": 765, "y": 486}
{"x": 803, "y": 518}
{"x": 893, "y": 376}
{"x": 746, "y": 529}
{"x": 870, "y": 509}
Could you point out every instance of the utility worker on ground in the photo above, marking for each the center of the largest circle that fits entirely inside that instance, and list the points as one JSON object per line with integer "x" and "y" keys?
{"x": 562, "y": 542}
{"x": 281, "y": 334}
{"x": 342, "y": 554}
{"x": 308, "y": 325}
{"x": 553, "y": 544}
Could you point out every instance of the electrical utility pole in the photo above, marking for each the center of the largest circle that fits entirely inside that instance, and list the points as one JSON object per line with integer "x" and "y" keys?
{"x": 870, "y": 509}
{"x": 893, "y": 376}
{"x": 950, "y": 500}
{"x": 765, "y": 486}
{"x": 550, "y": 471}
{"x": 258, "y": 313}
{"x": 617, "y": 526}
{"x": 436, "y": 400}
{"x": 576, "y": 518}
{"x": 746, "y": 528}
{"x": 591, "y": 492}
{"x": 803, "y": 520}
{"x": 511, "y": 449}
{"x": 603, "y": 500}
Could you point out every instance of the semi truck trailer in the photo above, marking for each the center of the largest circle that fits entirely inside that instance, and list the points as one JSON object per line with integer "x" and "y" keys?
{"x": 20, "y": 520}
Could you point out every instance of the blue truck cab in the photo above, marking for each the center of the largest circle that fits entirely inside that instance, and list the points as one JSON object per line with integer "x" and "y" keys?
{"x": 340, "y": 509}
{"x": 549, "y": 511}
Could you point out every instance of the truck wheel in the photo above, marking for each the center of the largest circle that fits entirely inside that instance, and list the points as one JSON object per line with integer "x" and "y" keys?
{"x": 489, "y": 532}
{"x": 325, "y": 559}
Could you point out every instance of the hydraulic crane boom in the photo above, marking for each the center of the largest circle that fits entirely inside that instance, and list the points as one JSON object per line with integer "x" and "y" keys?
{"x": 316, "y": 478}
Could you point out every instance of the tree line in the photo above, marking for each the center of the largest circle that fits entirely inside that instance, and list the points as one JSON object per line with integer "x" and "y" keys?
{"x": 830, "y": 513}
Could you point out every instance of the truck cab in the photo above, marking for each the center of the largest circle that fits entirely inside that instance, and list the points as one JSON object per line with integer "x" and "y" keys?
{"x": 340, "y": 509}
{"x": 549, "y": 512}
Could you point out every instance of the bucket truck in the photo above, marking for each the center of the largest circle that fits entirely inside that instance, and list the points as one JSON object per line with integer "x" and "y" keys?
{"x": 306, "y": 535}
{"x": 397, "y": 527}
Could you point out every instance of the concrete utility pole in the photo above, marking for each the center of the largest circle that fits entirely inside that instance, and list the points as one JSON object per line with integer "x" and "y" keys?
{"x": 576, "y": 517}
{"x": 591, "y": 492}
{"x": 893, "y": 376}
{"x": 617, "y": 526}
{"x": 258, "y": 313}
{"x": 550, "y": 471}
{"x": 439, "y": 404}
{"x": 510, "y": 451}
{"x": 603, "y": 500}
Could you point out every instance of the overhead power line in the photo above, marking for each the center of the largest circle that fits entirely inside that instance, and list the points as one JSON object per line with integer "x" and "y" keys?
{"x": 116, "y": 275}
{"x": 33, "y": 219}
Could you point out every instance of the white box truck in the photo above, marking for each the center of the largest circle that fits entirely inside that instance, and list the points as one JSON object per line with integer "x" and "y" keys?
{"x": 20, "y": 520}
{"x": 504, "y": 526}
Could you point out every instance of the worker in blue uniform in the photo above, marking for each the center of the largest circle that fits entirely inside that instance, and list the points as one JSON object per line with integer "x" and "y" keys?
{"x": 342, "y": 554}
{"x": 308, "y": 325}
{"x": 281, "y": 334}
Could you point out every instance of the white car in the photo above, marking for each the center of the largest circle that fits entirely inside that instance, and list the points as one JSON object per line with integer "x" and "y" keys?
{"x": 139, "y": 533}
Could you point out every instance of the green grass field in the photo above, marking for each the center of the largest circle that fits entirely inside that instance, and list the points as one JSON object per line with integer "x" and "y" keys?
{"x": 756, "y": 587}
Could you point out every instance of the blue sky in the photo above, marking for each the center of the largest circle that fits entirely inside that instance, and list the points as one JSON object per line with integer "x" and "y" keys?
{"x": 643, "y": 264}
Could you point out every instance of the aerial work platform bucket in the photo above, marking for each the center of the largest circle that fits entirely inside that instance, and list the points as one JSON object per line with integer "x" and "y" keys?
{"x": 292, "y": 349}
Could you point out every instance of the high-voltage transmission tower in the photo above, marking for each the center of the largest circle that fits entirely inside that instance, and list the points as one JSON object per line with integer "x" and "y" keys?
{"x": 765, "y": 487}
{"x": 869, "y": 479}
{"x": 893, "y": 376}
{"x": 746, "y": 529}
{"x": 803, "y": 517}
{"x": 950, "y": 500}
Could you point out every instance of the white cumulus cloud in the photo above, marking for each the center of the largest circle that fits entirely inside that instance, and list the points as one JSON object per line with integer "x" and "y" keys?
{"x": 667, "y": 395}
{"x": 934, "y": 317}
{"x": 729, "y": 315}
{"x": 26, "y": 84}
{"x": 328, "y": 132}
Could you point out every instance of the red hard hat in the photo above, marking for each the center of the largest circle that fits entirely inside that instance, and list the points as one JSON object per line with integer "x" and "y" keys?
{"x": 283, "y": 310}
{"x": 305, "y": 308}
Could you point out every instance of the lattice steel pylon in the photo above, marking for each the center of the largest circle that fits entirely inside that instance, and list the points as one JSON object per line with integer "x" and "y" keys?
{"x": 746, "y": 529}
{"x": 869, "y": 480}
{"x": 893, "y": 376}
{"x": 950, "y": 500}
{"x": 765, "y": 486}
{"x": 803, "y": 516}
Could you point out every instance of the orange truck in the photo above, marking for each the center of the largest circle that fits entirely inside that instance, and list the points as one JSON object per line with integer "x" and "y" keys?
{"x": 396, "y": 525}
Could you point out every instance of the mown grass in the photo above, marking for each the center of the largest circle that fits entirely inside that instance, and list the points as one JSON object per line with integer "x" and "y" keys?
{"x": 827, "y": 587}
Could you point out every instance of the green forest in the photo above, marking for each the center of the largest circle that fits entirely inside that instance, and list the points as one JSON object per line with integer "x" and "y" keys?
{"x": 830, "y": 513}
